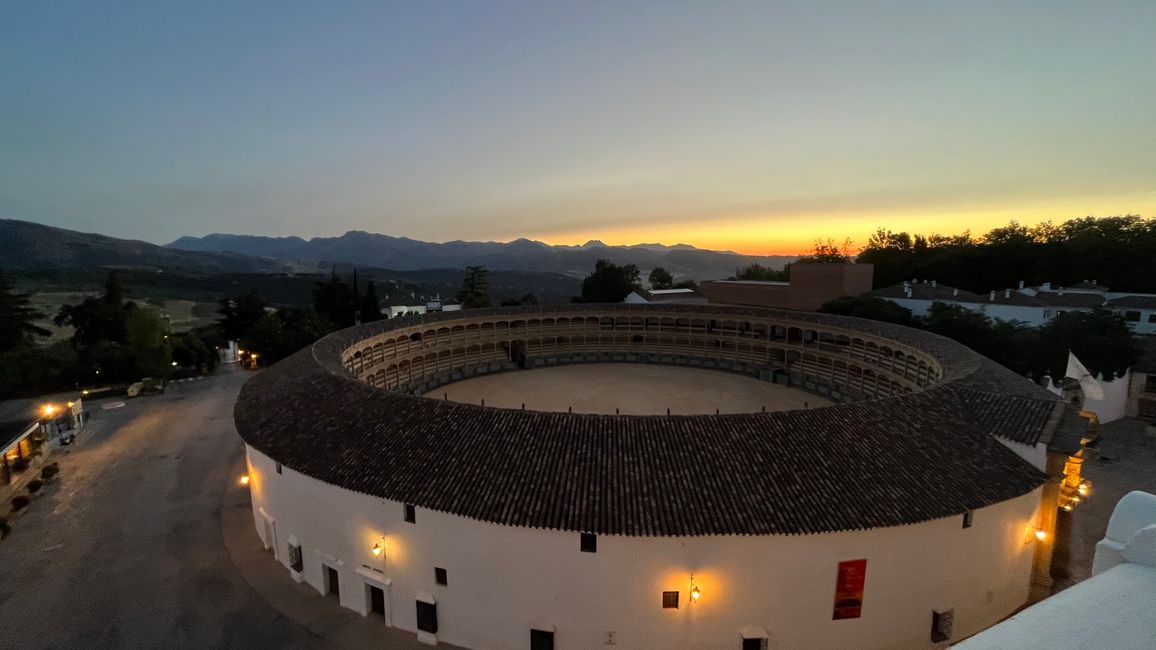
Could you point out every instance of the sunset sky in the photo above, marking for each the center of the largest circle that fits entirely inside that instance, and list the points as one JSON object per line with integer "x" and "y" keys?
{"x": 754, "y": 127}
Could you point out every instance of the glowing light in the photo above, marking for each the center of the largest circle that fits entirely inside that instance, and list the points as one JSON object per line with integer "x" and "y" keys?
{"x": 695, "y": 592}
{"x": 84, "y": 392}
{"x": 244, "y": 479}
{"x": 377, "y": 549}
{"x": 48, "y": 410}
{"x": 1041, "y": 535}
{"x": 1085, "y": 488}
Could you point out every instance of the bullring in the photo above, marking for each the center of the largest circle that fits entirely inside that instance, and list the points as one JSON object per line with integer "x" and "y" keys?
{"x": 363, "y": 487}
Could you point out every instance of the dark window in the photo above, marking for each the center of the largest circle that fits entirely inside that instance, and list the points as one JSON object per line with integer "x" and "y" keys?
{"x": 376, "y": 601}
{"x": 670, "y": 600}
{"x": 1152, "y": 318}
{"x": 1150, "y": 384}
{"x": 589, "y": 543}
{"x": 410, "y": 513}
{"x": 278, "y": 468}
{"x": 427, "y": 617}
{"x": 541, "y": 640}
{"x": 295, "y": 559}
{"x": 941, "y": 624}
{"x": 440, "y": 576}
{"x": 1133, "y": 316}
{"x": 333, "y": 586}
{"x": 754, "y": 644}
{"x": 967, "y": 519}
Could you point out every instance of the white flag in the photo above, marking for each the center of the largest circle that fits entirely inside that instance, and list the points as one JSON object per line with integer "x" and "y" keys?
{"x": 1089, "y": 384}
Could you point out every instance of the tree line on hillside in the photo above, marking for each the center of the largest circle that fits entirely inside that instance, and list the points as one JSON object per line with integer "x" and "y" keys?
{"x": 1099, "y": 338}
{"x": 1116, "y": 251}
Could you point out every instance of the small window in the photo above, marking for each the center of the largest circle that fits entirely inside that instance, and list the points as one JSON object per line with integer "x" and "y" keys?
{"x": 1152, "y": 318}
{"x": 670, "y": 600}
{"x": 1132, "y": 316}
{"x": 427, "y": 617}
{"x": 589, "y": 543}
{"x": 541, "y": 640}
{"x": 411, "y": 513}
{"x": 1150, "y": 384}
{"x": 296, "y": 561}
{"x": 941, "y": 624}
{"x": 754, "y": 644}
{"x": 440, "y": 576}
{"x": 278, "y": 468}
{"x": 967, "y": 519}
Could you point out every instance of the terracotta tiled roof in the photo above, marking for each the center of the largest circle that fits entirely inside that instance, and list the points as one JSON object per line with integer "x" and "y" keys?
{"x": 887, "y": 462}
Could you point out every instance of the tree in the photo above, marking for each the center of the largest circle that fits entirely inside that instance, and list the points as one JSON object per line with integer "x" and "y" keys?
{"x": 827, "y": 252}
{"x": 99, "y": 319}
{"x": 759, "y": 273}
{"x": 239, "y": 313}
{"x": 17, "y": 318}
{"x": 284, "y": 332}
{"x": 370, "y": 305}
{"x": 526, "y": 299}
{"x": 190, "y": 351}
{"x": 869, "y": 307}
{"x": 610, "y": 282}
{"x": 147, "y": 335}
{"x": 1100, "y": 339}
{"x": 660, "y": 278}
{"x": 475, "y": 287}
{"x": 335, "y": 301}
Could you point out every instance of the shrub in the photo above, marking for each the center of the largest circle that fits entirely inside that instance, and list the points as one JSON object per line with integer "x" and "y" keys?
{"x": 49, "y": 471}
{"x": 18, "y": 502}
{"x": 4, "y": 527}
{"x": 34, "y": 486}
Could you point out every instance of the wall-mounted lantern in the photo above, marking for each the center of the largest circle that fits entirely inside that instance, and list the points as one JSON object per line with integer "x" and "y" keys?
{"x": 695, "y": 592}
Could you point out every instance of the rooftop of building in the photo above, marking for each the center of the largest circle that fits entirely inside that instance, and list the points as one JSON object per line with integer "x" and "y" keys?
{"x": 886, "y": 462}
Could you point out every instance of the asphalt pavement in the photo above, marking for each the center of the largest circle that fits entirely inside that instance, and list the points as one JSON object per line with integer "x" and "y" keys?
{"x": 127, "y": 549}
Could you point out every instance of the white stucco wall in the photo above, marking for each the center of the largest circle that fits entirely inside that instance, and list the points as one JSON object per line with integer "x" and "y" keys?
{"x": 1114, "y": 404}
{"x": 504, "y": 580}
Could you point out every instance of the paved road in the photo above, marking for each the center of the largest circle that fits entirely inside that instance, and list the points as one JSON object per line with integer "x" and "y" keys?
{"x": 127, "y": 549}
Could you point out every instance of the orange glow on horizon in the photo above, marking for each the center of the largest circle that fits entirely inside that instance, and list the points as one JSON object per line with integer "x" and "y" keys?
{"x": 796, "y": 235}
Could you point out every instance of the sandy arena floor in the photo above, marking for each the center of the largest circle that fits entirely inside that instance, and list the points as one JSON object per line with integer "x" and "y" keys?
{"x": 636, "y": 389}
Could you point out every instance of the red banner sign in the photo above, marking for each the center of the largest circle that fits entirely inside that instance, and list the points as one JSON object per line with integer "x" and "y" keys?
{"x": 849, "y": 589}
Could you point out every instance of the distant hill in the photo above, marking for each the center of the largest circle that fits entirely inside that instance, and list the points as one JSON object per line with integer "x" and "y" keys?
{"x": 404, "y": 254}
{"x": 26, "y": 245}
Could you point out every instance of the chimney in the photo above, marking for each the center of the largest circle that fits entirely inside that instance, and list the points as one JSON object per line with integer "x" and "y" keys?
{"x": 955, "y": 292}
{"x": 1007, "y": 293}
{"x": 933, "y": 284}
{"x": 1021, "y": 284}
{"x": 907, "y": 291}
{"x": 992, "y": 298}
{"x": 1047, "y": 286}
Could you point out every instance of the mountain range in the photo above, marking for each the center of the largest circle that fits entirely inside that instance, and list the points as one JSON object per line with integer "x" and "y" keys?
{"x": 403, "y": 254}
{"x": 25, "y": 245}
{"x": 32, "y": 246}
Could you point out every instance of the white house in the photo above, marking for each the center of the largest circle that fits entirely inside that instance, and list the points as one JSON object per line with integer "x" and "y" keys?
{"x": 1032, "y": 305}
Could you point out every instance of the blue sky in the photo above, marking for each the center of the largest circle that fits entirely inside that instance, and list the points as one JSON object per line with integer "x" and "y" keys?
{"x": 752, "y": 126}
